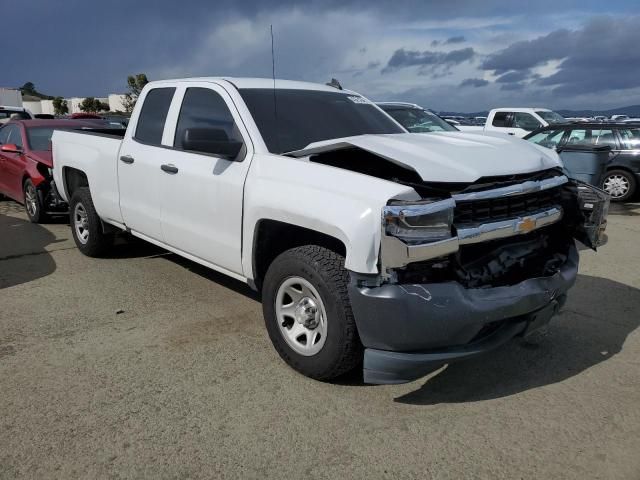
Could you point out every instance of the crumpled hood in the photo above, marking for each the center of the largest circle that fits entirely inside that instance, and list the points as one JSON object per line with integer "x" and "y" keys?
{"x": 448, "y": 156}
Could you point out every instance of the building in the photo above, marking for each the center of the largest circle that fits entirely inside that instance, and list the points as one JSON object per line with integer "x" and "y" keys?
{"x": 13, "y": 98}
{"x": 116, "y": 102}
{"x": 10, "y": 97}
{"x": 32, "y": 104}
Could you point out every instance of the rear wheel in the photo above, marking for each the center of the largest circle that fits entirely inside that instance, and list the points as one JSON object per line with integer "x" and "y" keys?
{"x": 308, "y": 314}
{"x": 86, "y": 225}
{"x": 620, "y": 184}
{"x": 33, "y": 203}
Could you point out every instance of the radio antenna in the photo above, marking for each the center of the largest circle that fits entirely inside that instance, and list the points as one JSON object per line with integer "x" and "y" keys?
{"x": 273, "y": 75}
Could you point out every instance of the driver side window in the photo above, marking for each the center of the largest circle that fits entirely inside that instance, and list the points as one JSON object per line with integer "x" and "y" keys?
{"x": 4, "y": 135}
{"x": 206, "y": 111}
{"x": 11, "y": 134}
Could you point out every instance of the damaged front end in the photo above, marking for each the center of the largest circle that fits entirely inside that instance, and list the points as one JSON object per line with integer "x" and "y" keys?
{"x": 479, "y": 236}
{"x": 463, "y": 274}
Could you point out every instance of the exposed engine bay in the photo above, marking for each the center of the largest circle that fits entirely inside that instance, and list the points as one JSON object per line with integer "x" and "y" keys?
{"x": 495, "y": 264}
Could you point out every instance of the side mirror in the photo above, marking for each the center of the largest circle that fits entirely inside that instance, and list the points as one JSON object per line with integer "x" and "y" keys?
{"x": 211, "y": 140}
{"x": 10, "y": 148}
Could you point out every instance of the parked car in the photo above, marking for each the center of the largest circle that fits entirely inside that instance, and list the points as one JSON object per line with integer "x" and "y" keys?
{"x": 14, "y": 113}
{"x": 623, "y": 169}
{"x": 619, "y": 118}
{"x": 368, "y": 243}
{"x": 516, "y": 121}
{"x": 415, "y": 118}
{"x": 25, "y": 165}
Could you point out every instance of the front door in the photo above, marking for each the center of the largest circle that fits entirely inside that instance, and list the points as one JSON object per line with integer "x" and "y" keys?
{"x": 13, "y": 164}
{"x": 203, "y": 193}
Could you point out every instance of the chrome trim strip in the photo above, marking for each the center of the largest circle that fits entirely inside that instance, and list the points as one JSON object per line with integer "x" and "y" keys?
{"x": 511, "y": 190}
{"x": 508, "y": 228}
{"x": 396, "y": 254}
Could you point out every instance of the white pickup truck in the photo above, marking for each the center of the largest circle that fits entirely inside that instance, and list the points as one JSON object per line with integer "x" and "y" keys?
{"x": 366, "y": 242}
{"x": 518, "y": 122}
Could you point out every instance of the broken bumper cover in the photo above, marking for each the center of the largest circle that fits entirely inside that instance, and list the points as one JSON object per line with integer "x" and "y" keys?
{"x": 410, "y": 330}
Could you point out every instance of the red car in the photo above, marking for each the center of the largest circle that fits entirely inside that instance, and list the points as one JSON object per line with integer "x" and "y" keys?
{"x": 26, "y": 162}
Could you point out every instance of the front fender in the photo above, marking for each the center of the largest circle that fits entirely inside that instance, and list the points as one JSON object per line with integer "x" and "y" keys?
{"x": 339, "y": 203}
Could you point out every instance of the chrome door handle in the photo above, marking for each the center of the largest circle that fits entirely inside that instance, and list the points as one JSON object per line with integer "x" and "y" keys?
{"x": 127, "y": 159}
{"x": 169, "y": 168}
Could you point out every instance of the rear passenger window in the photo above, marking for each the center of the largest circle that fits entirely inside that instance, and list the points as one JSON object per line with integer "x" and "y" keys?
{"x": 526, "y": 121}
{"x": 203, "y": 108}
{"x": 630, "y": 138}
{"x": 500, "y": 119}
{"x": 592, "y": 137}
{"x": 153, "y": 115}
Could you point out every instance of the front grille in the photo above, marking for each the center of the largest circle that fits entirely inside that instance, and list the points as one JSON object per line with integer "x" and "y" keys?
{"x": 502, "y": 208}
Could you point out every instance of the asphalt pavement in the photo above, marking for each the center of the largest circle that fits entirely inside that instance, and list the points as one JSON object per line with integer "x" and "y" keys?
{"x": 145, "y": 365}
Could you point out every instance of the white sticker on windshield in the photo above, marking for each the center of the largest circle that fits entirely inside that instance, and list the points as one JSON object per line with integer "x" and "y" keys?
{"x": 357, "y": 99}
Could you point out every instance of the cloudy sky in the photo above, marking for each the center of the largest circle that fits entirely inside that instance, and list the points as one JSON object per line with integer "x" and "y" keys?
{"x": 455, "y": 55}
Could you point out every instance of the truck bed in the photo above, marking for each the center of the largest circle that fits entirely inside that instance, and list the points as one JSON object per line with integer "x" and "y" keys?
{"x": 95, "y": 153}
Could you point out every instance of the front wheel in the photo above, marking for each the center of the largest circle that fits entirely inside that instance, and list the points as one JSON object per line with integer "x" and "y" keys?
{"x": 33, "y": 203}
{"x": 308, "y": 314}
{"x": 620, "y": 184}
{"x": 86, "y": 226}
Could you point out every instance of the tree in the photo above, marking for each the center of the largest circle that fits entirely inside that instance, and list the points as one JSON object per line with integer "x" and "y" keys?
{"x": 28, "y": 88}
{"x": 60, "y": 106}
{"x": 135, "y": 84}
{"x": 93, "y": 105}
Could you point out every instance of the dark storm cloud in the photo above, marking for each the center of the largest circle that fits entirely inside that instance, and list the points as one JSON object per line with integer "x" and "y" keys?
{"x": 474, "y": 82}
{"x": 602, "y": 56}
{"x": 402, "y": 58}
{"x": 513, "y": 77}
{"x": 457, "y": 39}
{"x": 512, "y": 86}
{"x": 530, "y": 53}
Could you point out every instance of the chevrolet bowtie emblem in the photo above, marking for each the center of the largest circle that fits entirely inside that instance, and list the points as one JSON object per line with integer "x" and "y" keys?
{"x": 526, "y": 225}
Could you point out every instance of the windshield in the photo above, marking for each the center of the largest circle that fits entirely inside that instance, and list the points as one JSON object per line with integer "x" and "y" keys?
{"x": 308, "y": 116}
{"x": 551, "y": 117}
{"x": 39, "y": 138}
{"x": 417, "y": 120}
{"x": 6, "y": 115}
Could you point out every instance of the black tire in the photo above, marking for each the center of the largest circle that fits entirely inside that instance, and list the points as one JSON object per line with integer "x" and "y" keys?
{"x": 96, "y": 242}
{"x": 324, "y": 270}
{"x": 628, "y": 177}
{"x": 33, "y": 203}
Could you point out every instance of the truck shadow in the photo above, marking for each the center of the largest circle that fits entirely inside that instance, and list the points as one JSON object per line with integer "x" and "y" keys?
{"x": 593, "y": 327}
{"x": 625, "y": 209}
{"x": 23, "y": 255}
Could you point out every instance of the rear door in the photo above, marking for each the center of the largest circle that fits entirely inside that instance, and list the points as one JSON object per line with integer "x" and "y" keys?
{"x": 142, "y": 153}
{"x": 629, "y": 150}
{"x": 203, "y": 193}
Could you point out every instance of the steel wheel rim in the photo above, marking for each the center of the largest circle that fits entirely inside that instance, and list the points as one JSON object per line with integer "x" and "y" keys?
{"x": 616, "y": 185}
{"x": 301, "y": 316}
{"x": 81, "y": 223}
{"x": 31, "y": 200}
